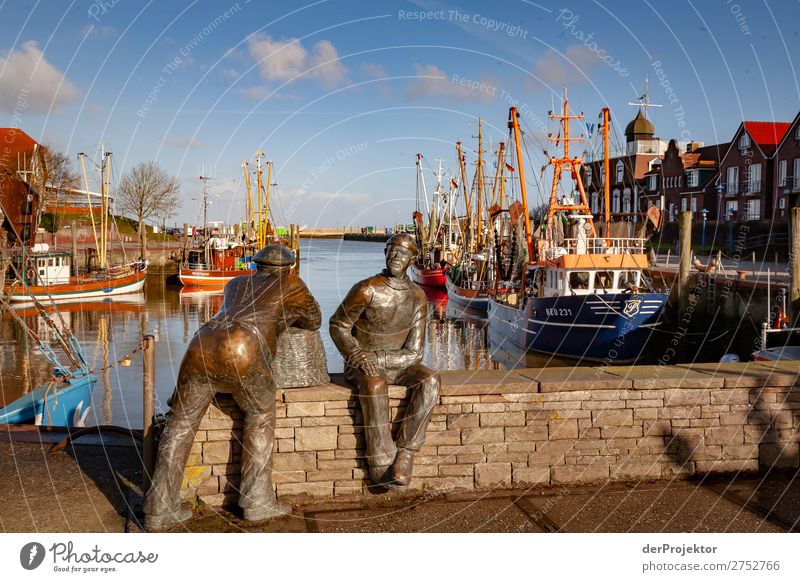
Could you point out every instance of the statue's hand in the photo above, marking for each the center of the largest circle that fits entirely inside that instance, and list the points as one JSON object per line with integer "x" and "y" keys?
{"x": 367, "y": 362}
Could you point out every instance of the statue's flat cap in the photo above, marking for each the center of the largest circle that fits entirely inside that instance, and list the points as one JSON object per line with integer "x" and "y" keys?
{"x": 404, "y": 240}
{"x": 275, "y": 255}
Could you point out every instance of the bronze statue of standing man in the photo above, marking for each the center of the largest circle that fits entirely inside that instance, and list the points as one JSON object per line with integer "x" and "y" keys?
{"x": 380, "y": 330}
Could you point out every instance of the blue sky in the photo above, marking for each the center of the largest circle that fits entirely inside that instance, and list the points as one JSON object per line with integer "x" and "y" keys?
{"x": 342, "y": 95}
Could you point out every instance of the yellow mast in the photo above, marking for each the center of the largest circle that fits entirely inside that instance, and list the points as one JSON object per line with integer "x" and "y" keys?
{"x": 246, "y": 171}
{"x": 259, "y": 186}
{"x": 513, "y": 116}
{"x": 88, "y": 202}
{"x": 106, "y": 175}
{"x": 498, "y": 176}
{"x": 266, "y": 199}
{"x": 480, "y": 192}
{"x": 467, "y": 195}
{"x": 563, "y": 163}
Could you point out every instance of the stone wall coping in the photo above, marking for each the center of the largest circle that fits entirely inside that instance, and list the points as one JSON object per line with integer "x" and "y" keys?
{"x": 572, "y": 379}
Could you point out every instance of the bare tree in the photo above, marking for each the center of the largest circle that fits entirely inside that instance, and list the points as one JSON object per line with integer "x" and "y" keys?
{"x": 52, "y": 180}
{"x": 147, "y": 191}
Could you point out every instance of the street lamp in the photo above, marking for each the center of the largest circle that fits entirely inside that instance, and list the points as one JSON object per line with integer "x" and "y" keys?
{"x": 704, "y": 212}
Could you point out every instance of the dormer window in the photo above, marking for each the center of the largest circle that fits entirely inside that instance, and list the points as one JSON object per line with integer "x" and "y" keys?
{"x": 744, "y": 142}
{"x": 652, "y": 182}
{"x": 692, "y": 178}
{"x": 620, "y": 171}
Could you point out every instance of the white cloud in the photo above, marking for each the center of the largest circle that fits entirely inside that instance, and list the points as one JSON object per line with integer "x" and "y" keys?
{"x": 255, "y": 93}
{"x": 287, "y": 59}
{"x": 374, "y": 70}
{"x": 186, "y": 142}
{"x": 28, "y": 81}
{"x": 435, "y": 82}
{"x": 573, "y": 67}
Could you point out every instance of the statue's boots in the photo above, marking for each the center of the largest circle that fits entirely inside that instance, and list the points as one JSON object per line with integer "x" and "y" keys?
{"x": 401, "y": 470}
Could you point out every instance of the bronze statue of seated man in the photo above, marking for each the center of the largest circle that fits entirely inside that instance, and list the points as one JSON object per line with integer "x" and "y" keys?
{"x": 233, "y": 353}
{"x": 380, "y": 330}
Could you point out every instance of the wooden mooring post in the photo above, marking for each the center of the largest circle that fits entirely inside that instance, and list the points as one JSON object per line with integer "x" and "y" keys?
{"x": 148, "y": 409}
{"x": 794, "y": 265}
{"x": 685, "y": 264}
{"x": 73, "y": 230}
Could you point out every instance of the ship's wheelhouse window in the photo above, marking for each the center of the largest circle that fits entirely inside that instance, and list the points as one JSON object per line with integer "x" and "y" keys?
{"x": 50, "y": 262}
{"x": 579, "y": 280}
{"x": 629, "y": 278}
{"x": 603, "y": 280}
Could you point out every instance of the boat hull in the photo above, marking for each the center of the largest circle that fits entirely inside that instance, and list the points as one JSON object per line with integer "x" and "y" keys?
{"x": 78, "y": 289}
{"x": 50, "y": 407}
{"x": 210, "y": 278}
{"x": 474, "y": 299}
{"x": 428, "y": 277}
{"x": 612, "y": 328}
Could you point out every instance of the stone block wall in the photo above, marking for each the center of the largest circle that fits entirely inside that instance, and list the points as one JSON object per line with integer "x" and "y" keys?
{"x": 524, "y": 428}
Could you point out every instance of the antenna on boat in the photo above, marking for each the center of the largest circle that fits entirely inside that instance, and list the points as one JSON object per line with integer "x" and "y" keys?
{"x": 205, "y": 180}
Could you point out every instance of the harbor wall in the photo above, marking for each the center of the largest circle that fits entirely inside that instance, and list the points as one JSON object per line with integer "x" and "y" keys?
{"x": 523, "y": 428}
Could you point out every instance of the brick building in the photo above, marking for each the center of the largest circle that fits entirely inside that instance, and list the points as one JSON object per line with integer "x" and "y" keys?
{"x": 786, "y": 168}
{"x": 746, "y": 171}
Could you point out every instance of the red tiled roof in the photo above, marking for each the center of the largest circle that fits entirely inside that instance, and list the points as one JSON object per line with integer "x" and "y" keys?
{"x": 767, "y": 134}
{"x": 15, "y": 145}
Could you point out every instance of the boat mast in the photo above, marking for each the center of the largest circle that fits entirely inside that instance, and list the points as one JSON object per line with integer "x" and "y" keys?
{"x": 266, "y": 200}
{"x": 566, "y": 163}
{"x": 105, "y": 171}
{"x": 246, "y": 172}
{"x": 513, "y": 122}
{"x": 480, "y": 192}
{"x": 206, "y": 238}
{"x": 259, "y": 186}
{"x": 606, "y": 172}
{"x": 467, "y": 194}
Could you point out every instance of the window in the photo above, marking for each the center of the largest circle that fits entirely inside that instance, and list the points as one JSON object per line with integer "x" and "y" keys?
{"x": 588, "y": 175}
{"x": 692, "y": 178}
{"x": 620, "y": 172}
{"x": 595, "y": 202}
{"x": 782, "y": 173}
{"x": 694, "y": 205}
{"x": 731, "y": 208}
{"x": 753, "y": 210}
{"x": 603, "y": 280}
{"x": 683, "y": 204}
{"x": 615, "y": 206}
{"x": 797, "y": 133}
{"x": 782, "y": 202}
{"x": 744, "y": 142}
{"x": 579, "y": 280}
{"x": 796, "y": 174}
{"x": 754, "y": 178}
{"x": 652, "y": 183}
{"x": 733, "y": 180}
{"x": 626, "y": 200}
{"x": 671, "y": 211}
{"x": 628, "y": 279}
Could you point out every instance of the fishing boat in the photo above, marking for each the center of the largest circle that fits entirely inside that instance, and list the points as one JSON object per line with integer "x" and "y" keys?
{"x": 66, "y": 398}
{"x": 435, "y": 242}
{"x": 470, "y": 282}
{"x": 217, "y": 259}
{"x": 571, "y": 292}
{"x": 39, "y": 273}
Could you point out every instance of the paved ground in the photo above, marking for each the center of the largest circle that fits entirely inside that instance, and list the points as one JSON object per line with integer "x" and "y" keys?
{"x": 90, "y": 488}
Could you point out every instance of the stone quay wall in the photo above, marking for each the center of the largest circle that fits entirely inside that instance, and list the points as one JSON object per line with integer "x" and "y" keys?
{"x": 524, "y": 428}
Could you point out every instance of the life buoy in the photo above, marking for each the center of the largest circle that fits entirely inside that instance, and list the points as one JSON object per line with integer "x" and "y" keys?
{"x": 30, "y": 275}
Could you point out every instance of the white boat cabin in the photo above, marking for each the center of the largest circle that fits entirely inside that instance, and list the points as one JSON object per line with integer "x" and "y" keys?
{"x": 559, "y": 282}
{"x": 46, "y": 267}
